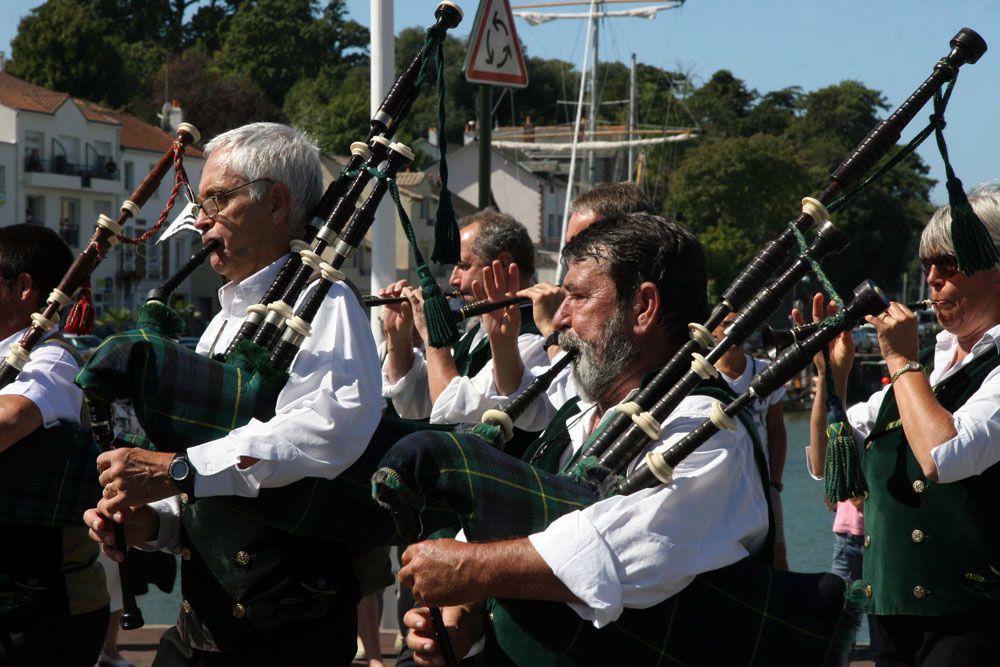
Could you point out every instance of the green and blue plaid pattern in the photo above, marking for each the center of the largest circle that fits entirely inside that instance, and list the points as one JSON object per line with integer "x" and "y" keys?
{"x": 180, "y": 398}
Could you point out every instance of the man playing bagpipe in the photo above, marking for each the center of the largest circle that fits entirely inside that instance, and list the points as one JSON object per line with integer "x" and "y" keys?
{"x": 633, "y": 284}
{"x": 448, "y": 385}
{"x": 54, "y": 598}
{"x": 252, "y": 593}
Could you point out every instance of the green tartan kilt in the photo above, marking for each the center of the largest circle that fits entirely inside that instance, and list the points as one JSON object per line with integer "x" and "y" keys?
{"x": 743, "y": 614}
{"x": 181, "y": 398}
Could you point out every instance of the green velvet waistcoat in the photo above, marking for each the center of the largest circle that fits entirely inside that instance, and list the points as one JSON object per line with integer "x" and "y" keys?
{"x": 245, "y": 582}
{"x": 470, "y": 360}
{"x": 931, "y": 549}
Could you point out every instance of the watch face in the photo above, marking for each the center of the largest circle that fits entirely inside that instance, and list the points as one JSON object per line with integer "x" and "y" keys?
{"x": 179, "y": 469}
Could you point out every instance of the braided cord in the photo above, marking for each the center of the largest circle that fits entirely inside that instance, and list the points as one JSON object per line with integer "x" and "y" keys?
{"x": 446, "y": 239}
{"x": 180, "y": 180}
{"x": 441, "y": 329}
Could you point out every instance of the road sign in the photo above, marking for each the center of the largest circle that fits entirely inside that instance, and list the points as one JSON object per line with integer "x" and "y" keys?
{"x": 494, "y": 53}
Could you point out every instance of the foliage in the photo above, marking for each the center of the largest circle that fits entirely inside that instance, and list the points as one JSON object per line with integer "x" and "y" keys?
{"x": 63, "y": 45}
{"x": 114, "y": 320}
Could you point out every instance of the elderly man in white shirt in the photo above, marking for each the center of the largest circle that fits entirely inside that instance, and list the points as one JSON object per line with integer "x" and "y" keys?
{"x": 634, "y": 282}
{"x": 257, "y": 191}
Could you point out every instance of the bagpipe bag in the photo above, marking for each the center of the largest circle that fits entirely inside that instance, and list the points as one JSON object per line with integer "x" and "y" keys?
{"x": 768, "y": 616}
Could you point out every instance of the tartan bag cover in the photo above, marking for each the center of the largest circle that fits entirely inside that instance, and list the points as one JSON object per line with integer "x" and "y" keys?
{"x": 180, "y": 398}
{"x": 50, "y": 477}
{"x": 463, "y": 472}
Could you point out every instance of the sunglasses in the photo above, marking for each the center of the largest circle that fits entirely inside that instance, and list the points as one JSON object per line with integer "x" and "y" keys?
{"x": 947, "y": 265}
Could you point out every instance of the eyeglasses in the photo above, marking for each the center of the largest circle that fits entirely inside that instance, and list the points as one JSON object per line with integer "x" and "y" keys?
{"x": 947, "y": 265}
{"x": 212, "y": 205}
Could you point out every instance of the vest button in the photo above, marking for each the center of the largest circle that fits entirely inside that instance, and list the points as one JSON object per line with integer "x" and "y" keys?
{"x": 491, "y": 617}
{"x": 868, "y": 541}
{"x": 919, "y": 592}
{"x": 185, "y": 499}
{"x": 242, "y": 558}
{"x": 186, "y": 553}
{"x": 919, "y": 486}
{"x": 868, "y": 591}
{"x": 917, "y": 536}
{"x": 239, "y": 611}
{"x": 186, "y": 606}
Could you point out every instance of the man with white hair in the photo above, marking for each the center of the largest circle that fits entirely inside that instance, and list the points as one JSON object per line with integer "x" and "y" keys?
{"x": 252, "y": 592}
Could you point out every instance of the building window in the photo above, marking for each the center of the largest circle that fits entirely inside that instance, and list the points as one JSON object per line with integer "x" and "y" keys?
{"x": 129, "y": 176}
{"x": 3, "y": 182}
{"x": 34, "y": 213}
{"x": 34, "y": 151}
{"x": 69, "y": 221}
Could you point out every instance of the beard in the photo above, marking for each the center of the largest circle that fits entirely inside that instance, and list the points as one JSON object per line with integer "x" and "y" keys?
{"x": 600, "y": 364}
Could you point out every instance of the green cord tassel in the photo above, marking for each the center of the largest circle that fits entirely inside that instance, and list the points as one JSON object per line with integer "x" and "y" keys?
{"x": 441, "y": 329}
{"x": 446, "y": 240}
{"x": 842, "y": 466}
{"x": 974, "y": 248}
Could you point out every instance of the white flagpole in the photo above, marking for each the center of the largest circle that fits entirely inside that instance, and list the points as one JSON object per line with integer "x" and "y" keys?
{"x": 383, "y": 58}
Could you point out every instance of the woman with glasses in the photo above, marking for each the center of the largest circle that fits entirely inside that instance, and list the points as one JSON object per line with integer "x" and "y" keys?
{"x": 930, "y": 442}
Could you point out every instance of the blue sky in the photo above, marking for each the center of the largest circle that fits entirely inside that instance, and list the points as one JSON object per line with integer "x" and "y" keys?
{"x": 889, "y": 45}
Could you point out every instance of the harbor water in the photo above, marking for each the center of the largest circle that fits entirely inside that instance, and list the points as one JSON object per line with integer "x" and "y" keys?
{"x": 807, "y": 528}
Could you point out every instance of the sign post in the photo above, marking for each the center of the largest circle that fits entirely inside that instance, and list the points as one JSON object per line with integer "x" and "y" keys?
{"x": 493, "y": 58}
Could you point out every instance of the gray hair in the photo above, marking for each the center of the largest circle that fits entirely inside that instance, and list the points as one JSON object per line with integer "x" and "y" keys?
{"x": 499, "y": 232}
{"x": 279, "y": 153}
{"x": 985, "y": 201}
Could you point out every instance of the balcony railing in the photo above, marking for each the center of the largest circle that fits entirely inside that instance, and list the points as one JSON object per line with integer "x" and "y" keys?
{"x": 59, "y": 165}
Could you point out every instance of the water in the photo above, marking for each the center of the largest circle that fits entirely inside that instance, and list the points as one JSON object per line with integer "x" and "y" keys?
{"x": 807, "y": 527}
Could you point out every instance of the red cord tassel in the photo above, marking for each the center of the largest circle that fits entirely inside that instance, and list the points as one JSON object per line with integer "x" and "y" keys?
{"x": 80, "y": 319}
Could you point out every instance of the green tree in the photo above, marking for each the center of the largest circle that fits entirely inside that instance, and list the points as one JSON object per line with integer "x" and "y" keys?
{"x": 740, "y": 191}
{"x": 64, "y": 45}
{"x": 333, "y": 109}
{"x": 275, "y": 43}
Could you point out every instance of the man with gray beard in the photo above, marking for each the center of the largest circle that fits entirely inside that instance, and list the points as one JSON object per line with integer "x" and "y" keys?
{"x": 633, "y": 284}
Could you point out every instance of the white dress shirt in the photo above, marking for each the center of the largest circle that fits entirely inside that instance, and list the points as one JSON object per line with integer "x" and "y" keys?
{"x": 462, "y": 400}
{"x": 636, "y": 551}
{"x": 325, "y": 414}
{"x": 976, "y": 446}
{"x": 47, "y": 381}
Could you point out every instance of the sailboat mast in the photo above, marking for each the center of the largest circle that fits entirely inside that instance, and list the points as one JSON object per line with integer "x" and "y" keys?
{"x": 631, "y": 118}
{"x": 594, "y": 97}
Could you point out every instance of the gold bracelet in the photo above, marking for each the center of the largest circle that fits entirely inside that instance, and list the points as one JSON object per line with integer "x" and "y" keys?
{"x": 911, "y": 366}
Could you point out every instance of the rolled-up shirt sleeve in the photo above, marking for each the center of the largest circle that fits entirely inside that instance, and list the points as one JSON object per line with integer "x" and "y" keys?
{"x": 411, "y": 394}
{"x": 324, "y": 417}
{"x": 47, "y": 381}
{"x": 976, "y": 446}
{"x": 636, "y": 551}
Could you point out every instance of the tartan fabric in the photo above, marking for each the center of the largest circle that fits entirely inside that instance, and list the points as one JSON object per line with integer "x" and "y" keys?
{"x": 743, "y": 614}
{"x": 180, "y": 398}
{"x": 463, "y": 472}
{"x": 55, "y": 493}
{"x": 341, "y": 509}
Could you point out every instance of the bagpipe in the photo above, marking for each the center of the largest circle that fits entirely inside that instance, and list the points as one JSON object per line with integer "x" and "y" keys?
{"x": 182, "y": 399}
{"x": 772, "y": 617}
{"x": 50, "y": 476}
{"x": 775, "y": 340}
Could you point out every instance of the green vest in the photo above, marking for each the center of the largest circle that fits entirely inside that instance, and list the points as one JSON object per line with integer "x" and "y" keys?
{"x": 245, "y": 582}
{"x": 931, "y": 549}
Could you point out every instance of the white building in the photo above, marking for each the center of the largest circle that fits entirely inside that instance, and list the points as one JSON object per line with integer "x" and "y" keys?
{"x": 64, "y": 161}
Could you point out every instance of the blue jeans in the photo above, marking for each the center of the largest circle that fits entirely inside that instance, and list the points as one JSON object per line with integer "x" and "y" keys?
{"x": 848, "y": 555}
